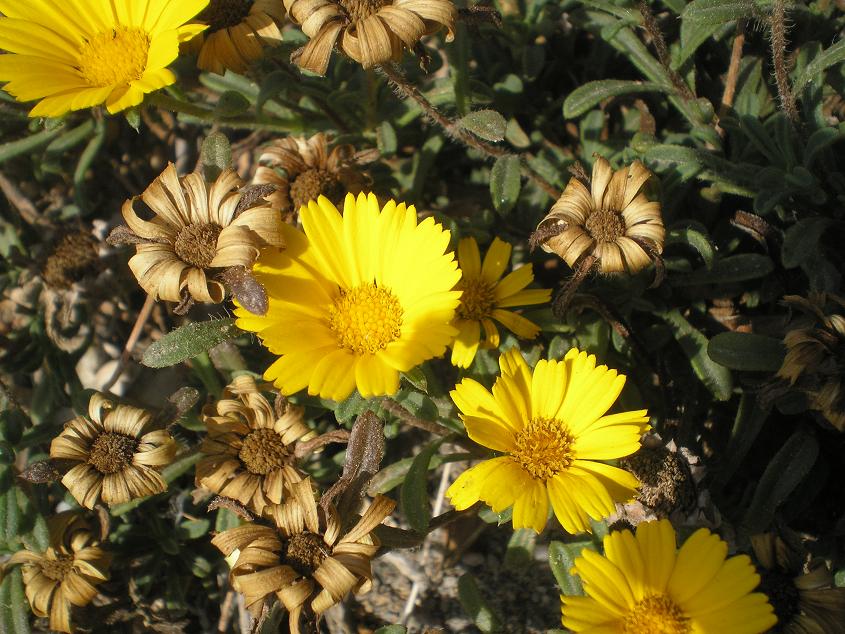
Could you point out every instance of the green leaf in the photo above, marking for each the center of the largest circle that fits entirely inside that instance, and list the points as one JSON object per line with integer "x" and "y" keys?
{"x": 505, "y": 183}
{"x": 416, "y": 377}
{"x": 347, "y": 409}
{"x": 414, "y": 492}
{"x": 750, "y": 417}
{"x": 485, "y": 124}
{"x": 717, "y": 378}
{"x": 29, "y": 143}
{"x": 480, "y": 612}
{"x": 585, "y": 97}
{"x": 717, "y": 11}
{"x": 188, "y": 341}
{"x": 734, "y": 268}
{"x": 271, "y": 86}
{"x": 820, "y": 140}
{"x": 14, "y": 608}
{"x": 801, "y": 240}
{"x": 394, "y": 474}
{"x": 520, "y": 551}
{"x": 561, "y": 559}
{"x": 231, "y": 104}
{"x": 784, "y": 473}
{"x": 747, "y": 351}
{"x": 392, "y": 629}
{"x": 696, "y": 239}
{"x": 833, "y": 54}
{"x": 216, "y": 155}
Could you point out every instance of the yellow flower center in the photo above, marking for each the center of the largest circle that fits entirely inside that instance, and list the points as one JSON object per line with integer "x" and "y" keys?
{"x": 605, "y": 225}
{"x": 543, "y": 448}
{"x": 656, "y": 614}
{"x": 310, "y": 184}
{"x": 112, "y": 452}
{"x": 305, "y": 552}
{"x": 366, "y": 318}
{"x": 114, "y": 57}
{"x": 478, "y": 299}
{"x": 197, "y": 244}
{"x": 263, "y": 450}
{"x": 221, "y": 14}
{"x": 359, "y": 9}
{"x": 57, "y": 569}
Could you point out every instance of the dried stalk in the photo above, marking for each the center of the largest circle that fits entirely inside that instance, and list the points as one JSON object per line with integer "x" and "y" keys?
{"x": 651, "y": 27}
{"x": 778, "y": 28}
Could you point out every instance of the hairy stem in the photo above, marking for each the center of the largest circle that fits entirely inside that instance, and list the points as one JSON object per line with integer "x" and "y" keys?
{"x": 779, "y": 43}
{"x": 651, "y": 27}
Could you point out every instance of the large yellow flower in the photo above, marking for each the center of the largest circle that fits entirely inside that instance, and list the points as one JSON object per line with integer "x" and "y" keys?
{"x": 356, "y": 299}
{"x": 486, "y": 295}
{"x": 76, "y": 54}
{"x": 642, "y": 585}
{"x": 551, "y": 426}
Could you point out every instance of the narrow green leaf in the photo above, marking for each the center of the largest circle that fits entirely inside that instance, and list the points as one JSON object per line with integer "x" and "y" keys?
{"x": 717, "y": 378}
{"x": 561, "y": 559}
{"x": 485, "y": 124}
{"x": 394, "y": 474}
{"x": 416, "y": 377}
{"x": 717, "y": 11}
{"x": 216, "y": 155}
{"x": 734, "y": 268}
{"x": 585, "y": 97}
{"x": 230, "y": 104}
{"x": 819, "y": 141}
{"x": 392, "y": 629}
{"x": 188, "y": 341}
{"x": 784, "y": 473}
{"x": 476, "y": 607}
{"x": 833, "y": 54}
{"x": 414, "y": 492}
{"x": 354, "y": 405}
{"x": 801, "y": 240}
{"x": 747, "y": 351}
{"x": 520, "y": 551}
{"x": 28, "y": 144}
{"x": 14, "y": 608}
{"x": 696, "y": 239}
{"x": 749, "y": 420}
{"x": 505, "y": 183}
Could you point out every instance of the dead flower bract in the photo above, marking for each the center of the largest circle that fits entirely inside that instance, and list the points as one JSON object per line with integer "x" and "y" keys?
{"x": 248, "y": 454}
{"x": 66, "y": 573}
{"x": 197, "y": 229}
{"x": 310, "y": 170}
{"x": 115, "y": 453}
{"x": 613, "y": 221}
{"x": 369, "y": 31}
{"x": 307, "y": 562}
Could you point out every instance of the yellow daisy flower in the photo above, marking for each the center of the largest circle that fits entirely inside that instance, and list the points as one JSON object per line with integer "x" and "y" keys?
{"x": 551, "y": 426}
{"x": 642, "y": 585}
{"x": 485, "y": 296}
{"x": 77, "y": 54}
{"x": 355, "y": 299}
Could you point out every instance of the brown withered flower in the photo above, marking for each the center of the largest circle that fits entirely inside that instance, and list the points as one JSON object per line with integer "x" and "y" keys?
{"x": 306, "y": 560}
{"x": 67, "y": 573}
{"x": 815, "y": 354}
{"x": 369, "y": 31}
{"x": 73, "y": 257}
{"x": 303, "y": 169}
{"x": 199, "y": 231}
{"x": 800, "y": 589}
{"x": 613, "y": 221}
{"x": 248, "y": 454}
{"x": 114, "y": 453}
{"x": 238, "y": 31}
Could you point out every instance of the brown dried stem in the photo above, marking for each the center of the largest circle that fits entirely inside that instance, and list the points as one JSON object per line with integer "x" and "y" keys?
{"x": 778, "y": 28}
{"x": 564, "y": 297}
{"x": 143, "y": 316}
{"x": 407, "y": 417}
{"x": 652, "y": 28}
{"x": 733, "y": 73}
{"x": 454, "y": 130}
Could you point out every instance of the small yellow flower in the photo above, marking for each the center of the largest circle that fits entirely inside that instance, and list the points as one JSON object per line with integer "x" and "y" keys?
{"x": 115, "y": 454}
{"x": 248, "y": 453}
{"x": 369, "y": 31}
{"x": 355, "y": 299}
{"x": 643, "y": 585}
{"x": 613, "y": 221}
{"x": 486, "y": 295}
{"x": 67, "y": 573}
{"x": 77, "y": 54}
{"x": 195, "y": 233}
{"x": 238, "y": 31}
{"x": 551, "y": 426}
{"x": 308, "y": 561}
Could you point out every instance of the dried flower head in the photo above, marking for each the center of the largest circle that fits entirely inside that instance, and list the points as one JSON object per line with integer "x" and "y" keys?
{"x": 238, "y": 31}
{"x": 73, "y": 256}
{"x": 197, "y": 231}
{"x": 801, "y": 591}
{"x": 67, "y": 573}
{"x": 303, "y": 169}
{"x": 815, "y": 354}
{"x": 308, "y": 562}
{"x": 666, "y": 483}
{"x": 115, "y": 453}
{"x": 369, "y": 31}
{"x": 614, "y": 221}
{"x": 248, "y": 453}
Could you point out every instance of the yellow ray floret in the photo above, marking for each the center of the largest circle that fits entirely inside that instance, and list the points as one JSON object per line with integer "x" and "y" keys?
{"x": 552, "y": 426}
{"x": 356, "y": 298}
{"x": 77, "y": 54}
{"x": 643, "y": 585}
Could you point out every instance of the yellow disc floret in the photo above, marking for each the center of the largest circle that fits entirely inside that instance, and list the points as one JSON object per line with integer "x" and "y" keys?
{"x": 366, "y": 318}
{"x": 116, "y": 56}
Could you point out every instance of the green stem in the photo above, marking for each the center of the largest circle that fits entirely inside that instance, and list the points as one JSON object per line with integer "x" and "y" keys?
{"x": 28, "y": 144}
{"x": 192, "y": 111}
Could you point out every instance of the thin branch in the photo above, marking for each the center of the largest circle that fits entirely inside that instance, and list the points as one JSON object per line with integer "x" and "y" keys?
{"x": 407, "y": 417}
{"x": 143, "y": 316}
{"x": 453, "y": 128}
{"x": 652, "y": 28}
{"x": 779, "y": 43}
